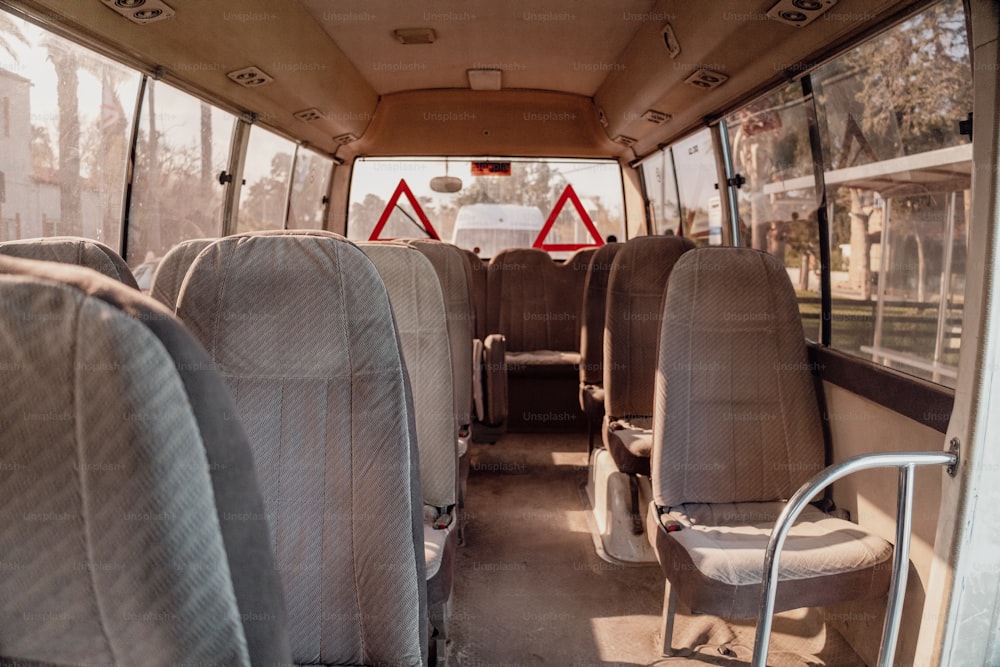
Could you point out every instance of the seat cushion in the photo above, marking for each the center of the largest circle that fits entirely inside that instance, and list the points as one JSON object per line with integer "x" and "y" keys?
{"x": 716, "y": 559}
{"x": 630, "y": 443}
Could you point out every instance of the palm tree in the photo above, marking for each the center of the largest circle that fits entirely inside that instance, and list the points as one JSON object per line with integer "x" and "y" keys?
{"x": 63, "y": 58}
{"x": 10, "y": 32}
{"x": 68, "y": 61}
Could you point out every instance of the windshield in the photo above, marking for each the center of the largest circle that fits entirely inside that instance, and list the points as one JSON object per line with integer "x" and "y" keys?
{"x": 488, "y": 204}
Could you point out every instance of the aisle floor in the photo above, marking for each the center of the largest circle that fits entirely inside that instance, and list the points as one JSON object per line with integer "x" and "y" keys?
{"x": 531, "y": 590}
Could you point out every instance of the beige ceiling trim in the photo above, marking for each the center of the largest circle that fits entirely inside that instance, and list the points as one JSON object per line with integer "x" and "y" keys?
{"x": 462, "y": 122}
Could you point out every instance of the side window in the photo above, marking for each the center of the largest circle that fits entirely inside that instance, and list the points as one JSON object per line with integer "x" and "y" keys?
{"x": 183, "y": 146}
{"x": 310, "y": 185}
{"x": 769, "y": 144}
{"x": 266, "y": 175}
{"x": 898, "y": 175}
{"x": 680, "y": 183}
{"x": 62, "y": 157}
{"x": 660, "y": 182}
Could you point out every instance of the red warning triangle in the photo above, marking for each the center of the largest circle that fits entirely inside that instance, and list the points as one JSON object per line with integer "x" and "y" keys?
{"x": 568, "y": 194}
{"x": 402, "y": 189}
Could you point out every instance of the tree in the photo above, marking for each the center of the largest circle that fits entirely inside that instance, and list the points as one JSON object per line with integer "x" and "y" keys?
{"x": 10, "y": 33}
{"x": 535, "y": 184}
{"x": 365, "y": 214}
{"x": 206, "y": 150}
{"x": 309, "y": 189}
{"x": 43, "y": 158}
{"x": 899, "y": 95}
{"x": 64, "y": 58}
{"x": 263, "y": 206}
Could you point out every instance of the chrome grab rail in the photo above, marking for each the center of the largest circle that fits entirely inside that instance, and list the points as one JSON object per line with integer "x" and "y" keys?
{"x": 906, "y": 462}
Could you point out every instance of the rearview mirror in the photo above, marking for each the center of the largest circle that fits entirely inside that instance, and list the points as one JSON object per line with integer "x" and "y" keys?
{"x": 446, "y": 184}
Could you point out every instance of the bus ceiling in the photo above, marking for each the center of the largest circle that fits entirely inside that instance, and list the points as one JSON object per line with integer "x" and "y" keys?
{"x": 378, "y": 78}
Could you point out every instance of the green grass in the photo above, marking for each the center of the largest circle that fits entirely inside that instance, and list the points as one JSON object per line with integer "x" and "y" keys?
{"x": 906, "y": 328}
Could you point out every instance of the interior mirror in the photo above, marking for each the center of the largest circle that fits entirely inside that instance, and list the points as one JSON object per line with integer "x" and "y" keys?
{"x": 446, "y": 184}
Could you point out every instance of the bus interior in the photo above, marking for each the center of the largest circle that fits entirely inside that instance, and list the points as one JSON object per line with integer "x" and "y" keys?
{"x": 629, "y": 332}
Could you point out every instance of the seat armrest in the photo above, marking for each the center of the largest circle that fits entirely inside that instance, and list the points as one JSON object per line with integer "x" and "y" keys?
{"x": 494, "y": 360}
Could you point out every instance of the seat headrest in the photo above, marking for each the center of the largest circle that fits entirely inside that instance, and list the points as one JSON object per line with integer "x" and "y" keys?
{"x": 73, "y": 250}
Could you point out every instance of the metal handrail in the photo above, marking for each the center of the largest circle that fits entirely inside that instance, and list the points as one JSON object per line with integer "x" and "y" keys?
{"x": 906, "y": 462}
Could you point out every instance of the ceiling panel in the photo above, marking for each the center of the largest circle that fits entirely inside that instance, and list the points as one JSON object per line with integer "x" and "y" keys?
{"x": 564, "y": 45}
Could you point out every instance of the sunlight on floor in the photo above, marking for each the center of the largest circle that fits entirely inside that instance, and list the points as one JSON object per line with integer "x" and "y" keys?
{"x": 615, "y": 646}
{"x": 570, "y": 459}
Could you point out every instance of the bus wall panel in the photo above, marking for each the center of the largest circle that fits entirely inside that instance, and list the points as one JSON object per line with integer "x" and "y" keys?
{"x": 860, "y": 426}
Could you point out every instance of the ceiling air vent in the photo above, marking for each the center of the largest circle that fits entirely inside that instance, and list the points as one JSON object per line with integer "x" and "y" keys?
{"x": 251, "y": 77}
{"x": 670, "y": 40}
{"x": 344, "y": 139}
{"x": 623, "y": 140}
{"x": 411, "y": 36}
{"x": 706, "y": 79}
{"x": 799, "y": 12}
{"x": 141, "y": 11}
{"x": 656, "y": 117}
{"x": 309, "y": 115}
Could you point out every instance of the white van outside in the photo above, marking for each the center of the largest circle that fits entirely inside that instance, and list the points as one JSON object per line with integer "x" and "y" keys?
{"x": 486, "y": 229}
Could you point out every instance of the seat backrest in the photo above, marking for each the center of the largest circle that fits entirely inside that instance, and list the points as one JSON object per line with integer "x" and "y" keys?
{"x": 73, "y": 250}
{"x": 170, "y": 272}
{"x": 534, "y": 301}
{"x": 595, "y": 291}
{"x": 132, "y": 524}
{"x": 736, "y": 416}
{"x": 452, "y": 271}
{"x": 639, "y": 275}
{"x": 299, "y": 326}
{"x": 477, "y": 270}
{"x": 418, "y": 305}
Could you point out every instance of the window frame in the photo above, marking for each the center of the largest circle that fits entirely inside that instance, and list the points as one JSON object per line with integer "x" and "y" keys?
{"x": 726, "y": 179}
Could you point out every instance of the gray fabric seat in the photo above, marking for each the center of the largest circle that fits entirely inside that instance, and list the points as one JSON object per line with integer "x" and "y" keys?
{"x": 170, "y": 272}
{"x": 476, "y": 274}
{"x": 419, "y": 307}
{"x": 73, "y": 250}
{"x": 738, "y": 437}
{"x": 595, "y": 290}
{"x": 132, "y": 513}
{"x": 534, "y": 303}
{"x": 299, "y": 325}
{"x": 452, "y": 272}
{"x": 453, "y": 275}
{"x": 489, "y": 368}
{"x": 639, "y": 276}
